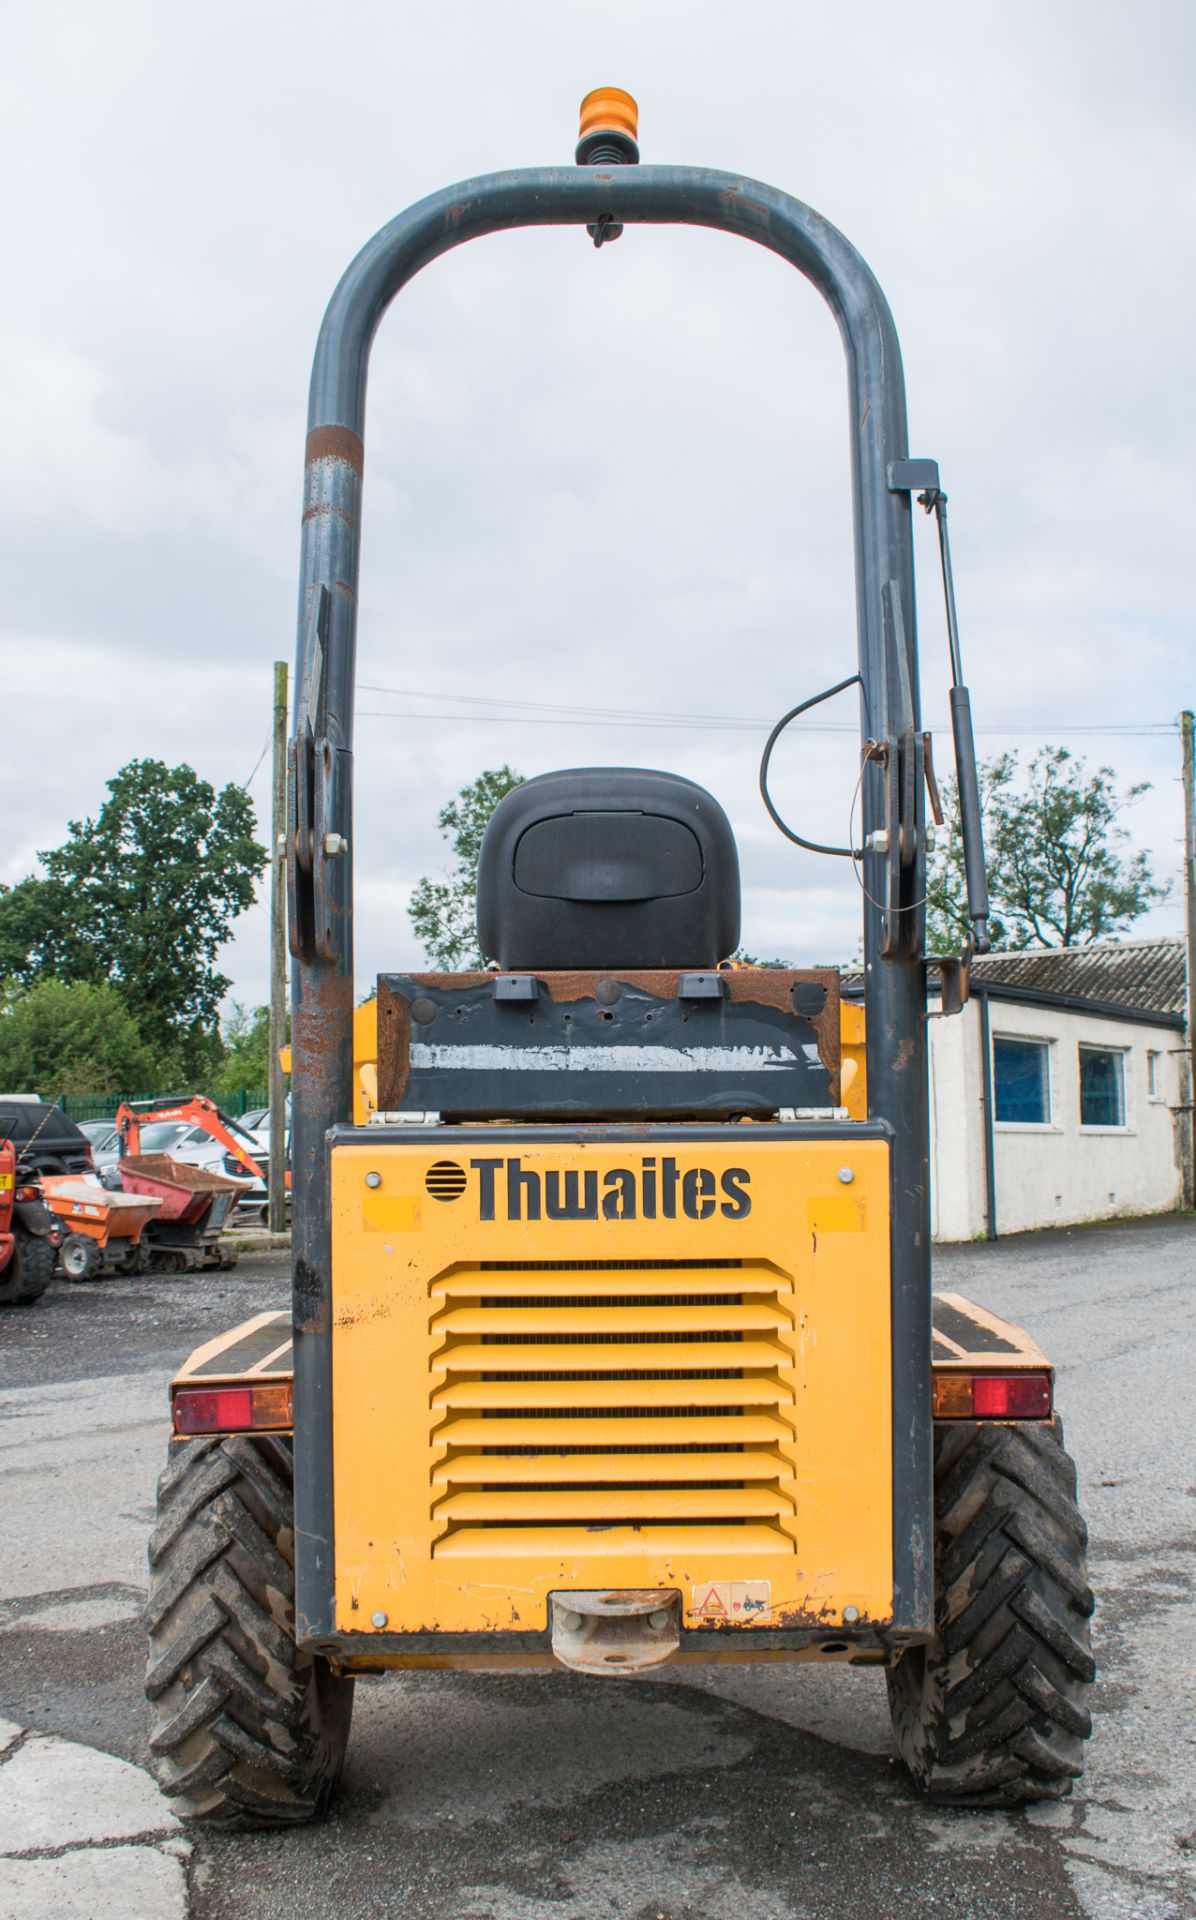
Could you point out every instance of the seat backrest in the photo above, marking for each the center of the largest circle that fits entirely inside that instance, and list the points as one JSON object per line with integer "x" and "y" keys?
{"x": 608, "y": 867}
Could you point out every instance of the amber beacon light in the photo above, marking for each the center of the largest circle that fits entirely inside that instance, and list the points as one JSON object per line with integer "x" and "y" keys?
{"x": 608, "y": 130}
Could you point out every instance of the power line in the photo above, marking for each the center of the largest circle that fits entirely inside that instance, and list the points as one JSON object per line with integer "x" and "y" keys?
{"x": 560, "y": 713}
{"x": 245, "y": 784}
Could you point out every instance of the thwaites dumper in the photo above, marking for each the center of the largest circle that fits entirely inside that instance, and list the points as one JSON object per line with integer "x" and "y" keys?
{"x": 612, "y": 1338}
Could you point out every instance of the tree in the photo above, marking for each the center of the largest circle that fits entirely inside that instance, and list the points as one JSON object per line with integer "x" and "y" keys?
{"x": 1057, "y": 876}
{"x": 246, "y": 1062}
{"x": 60, "y": 1039}
{"x": 143, "y": 897}
{"x": 443, "y": 912}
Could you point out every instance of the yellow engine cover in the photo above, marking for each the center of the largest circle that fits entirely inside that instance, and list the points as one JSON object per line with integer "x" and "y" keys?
{"x": 597, "y": 1362}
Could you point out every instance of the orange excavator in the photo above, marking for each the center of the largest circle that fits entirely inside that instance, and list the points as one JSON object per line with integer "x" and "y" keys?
{"x": 194, "y": 1112}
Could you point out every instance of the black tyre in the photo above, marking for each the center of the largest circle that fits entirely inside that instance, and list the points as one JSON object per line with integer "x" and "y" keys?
{"x": 246, "y": 1730}
{"x": 29, "y": 1272}
{"x": 81, "y": 1258}
{"x": 993, "y": 1712}
{"x": 168, "y": 1260}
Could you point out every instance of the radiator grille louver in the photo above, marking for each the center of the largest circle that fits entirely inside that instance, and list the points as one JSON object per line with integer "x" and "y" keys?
{"x": 611, "y": 1394}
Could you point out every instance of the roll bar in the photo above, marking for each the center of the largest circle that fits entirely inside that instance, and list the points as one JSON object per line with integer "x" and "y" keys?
{"x": 320, "y": 829}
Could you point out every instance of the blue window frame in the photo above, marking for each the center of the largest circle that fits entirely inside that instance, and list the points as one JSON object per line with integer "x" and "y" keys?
{"x": 1102, "y": 1087}
{"x": 1022, "y": 1081}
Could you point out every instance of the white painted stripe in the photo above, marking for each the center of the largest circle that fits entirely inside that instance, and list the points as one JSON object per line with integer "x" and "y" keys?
{"x": 613, "y": 1059}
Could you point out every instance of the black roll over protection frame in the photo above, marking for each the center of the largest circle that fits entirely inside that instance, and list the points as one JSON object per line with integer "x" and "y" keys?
{"x": 605, "y": 193}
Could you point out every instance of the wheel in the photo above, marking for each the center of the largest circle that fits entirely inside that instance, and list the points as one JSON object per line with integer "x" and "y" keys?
{"x": 246, "y": 1730}
{"x": 168, "y": 1260}
{"x": 992, "y": 1713}
{"x": 81, "y": 1258}
{"x": 29, "y": 1272}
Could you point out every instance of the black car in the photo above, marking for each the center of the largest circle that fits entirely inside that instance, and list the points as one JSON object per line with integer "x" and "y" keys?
{"x": 45, "y": 1140}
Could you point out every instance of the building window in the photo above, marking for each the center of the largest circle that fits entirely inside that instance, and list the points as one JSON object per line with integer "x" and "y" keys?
{"x": 1102, "y": 1087}
{"x": 1022, "y": 1082}
{"x": 1154, "y": 1076}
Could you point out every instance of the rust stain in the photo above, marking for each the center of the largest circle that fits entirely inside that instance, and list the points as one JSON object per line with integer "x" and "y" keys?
{"x": 336, "y": 443}
{"x": 823, "y": 1621}
{"x": 310, "y": 1296}
{"x": 905, "y": 1054}
{"x": 732, "y": 197}
{"x": 318, "y": 1022}
{"x": 325, "y": 510}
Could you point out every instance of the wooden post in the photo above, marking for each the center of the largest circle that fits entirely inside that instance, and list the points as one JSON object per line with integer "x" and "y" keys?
{"x": 278, "y": 958}
{"x": 1189, "y": 758}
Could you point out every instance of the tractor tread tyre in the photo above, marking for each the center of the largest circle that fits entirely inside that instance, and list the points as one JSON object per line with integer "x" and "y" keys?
{"x": 82, "y": 1260}
{"x": 247, "y": 1730}
{"x": 993, "y": 1712}
{"x": 29, "y": 1272}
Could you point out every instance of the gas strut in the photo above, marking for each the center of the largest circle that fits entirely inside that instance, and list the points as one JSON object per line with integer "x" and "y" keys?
{"x": 904, "y": 476}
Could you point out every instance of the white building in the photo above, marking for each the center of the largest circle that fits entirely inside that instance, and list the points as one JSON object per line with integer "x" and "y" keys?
{"x": 1059, "y": 1093}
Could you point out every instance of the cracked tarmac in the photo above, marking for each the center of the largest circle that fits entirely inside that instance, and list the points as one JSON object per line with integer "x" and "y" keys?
{"x": 731, "y": 1793}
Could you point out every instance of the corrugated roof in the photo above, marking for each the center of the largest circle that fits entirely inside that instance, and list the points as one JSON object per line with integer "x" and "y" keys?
{"x": 1148, "y": 975}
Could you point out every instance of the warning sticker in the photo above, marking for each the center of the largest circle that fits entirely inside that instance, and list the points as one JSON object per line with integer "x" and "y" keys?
{"x": 733, "y": 1600}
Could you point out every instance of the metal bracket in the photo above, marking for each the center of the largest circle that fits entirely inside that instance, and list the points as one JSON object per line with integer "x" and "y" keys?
{"x": 913, "y": 476}
{"x": 315, "y": 849}
{"x": 956, "y": 978}
{"x": 902, "y": 762}
{"x": 702, "y": 986}
{"x": 522, "y": 987}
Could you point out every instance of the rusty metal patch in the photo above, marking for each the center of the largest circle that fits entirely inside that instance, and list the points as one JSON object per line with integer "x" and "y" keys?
{"x": 336, "y": 443}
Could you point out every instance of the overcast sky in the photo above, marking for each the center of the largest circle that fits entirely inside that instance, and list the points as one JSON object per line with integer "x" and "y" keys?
{"x": 611, "y": 480}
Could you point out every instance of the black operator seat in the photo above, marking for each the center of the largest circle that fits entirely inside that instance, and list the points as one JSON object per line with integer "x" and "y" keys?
{"x": 608, "y": 867}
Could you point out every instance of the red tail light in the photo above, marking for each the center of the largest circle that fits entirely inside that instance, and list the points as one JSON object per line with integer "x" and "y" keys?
{"x": 992, "y": 1396}
{"x": 234, "y": 1409}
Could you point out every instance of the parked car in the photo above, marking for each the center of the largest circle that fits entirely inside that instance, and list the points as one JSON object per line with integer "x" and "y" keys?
{"x": 257, "y": 1123}
{"x": 101, "y": 1133}
{"x": 45, "y": 1140}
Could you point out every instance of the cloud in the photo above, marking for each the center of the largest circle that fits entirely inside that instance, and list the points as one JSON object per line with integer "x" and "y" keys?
{"x": 616, "y": 479}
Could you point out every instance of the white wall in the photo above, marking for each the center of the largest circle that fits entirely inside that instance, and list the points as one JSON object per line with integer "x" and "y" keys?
{"x": 1058, "y": 1173}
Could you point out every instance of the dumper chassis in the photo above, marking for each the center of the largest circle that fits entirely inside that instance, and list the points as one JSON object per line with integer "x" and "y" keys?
{"x": 612, "y": 1338}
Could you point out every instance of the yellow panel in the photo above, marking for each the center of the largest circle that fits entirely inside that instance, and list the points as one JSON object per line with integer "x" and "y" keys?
{"x": 682, "y": 1377}
{"x": 390, "y": 1213}
{"x": 853, "y": 1072}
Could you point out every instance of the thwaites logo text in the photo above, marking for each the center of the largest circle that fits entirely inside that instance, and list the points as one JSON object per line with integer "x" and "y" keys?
{"x": 656, "y": 1189}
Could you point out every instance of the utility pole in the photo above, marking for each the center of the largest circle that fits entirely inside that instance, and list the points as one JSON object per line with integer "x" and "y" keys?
{"x": 1186, "y": 725}
{"x": 278, "y": 958}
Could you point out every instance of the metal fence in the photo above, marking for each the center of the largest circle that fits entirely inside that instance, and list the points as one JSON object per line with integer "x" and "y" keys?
{"x": 101, "y": 1106}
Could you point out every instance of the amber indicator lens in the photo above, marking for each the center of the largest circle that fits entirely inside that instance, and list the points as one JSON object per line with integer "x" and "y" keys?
{"x": 233, "y": 1409}
{"x": 953, "y": 1396}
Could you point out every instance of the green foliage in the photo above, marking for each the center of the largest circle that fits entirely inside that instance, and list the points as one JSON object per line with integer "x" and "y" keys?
{"x": 246, "y": 1061}
{"x": 58, "y": 1038}
{"x": 39, "y": 937}
{"x": 1056, "y": 873}
{"x": 443, "y": 912}
{"x": 143, "y": 897}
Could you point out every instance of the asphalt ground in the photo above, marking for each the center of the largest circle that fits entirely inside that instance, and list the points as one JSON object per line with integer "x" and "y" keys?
{"x": 730, "y": 1792}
